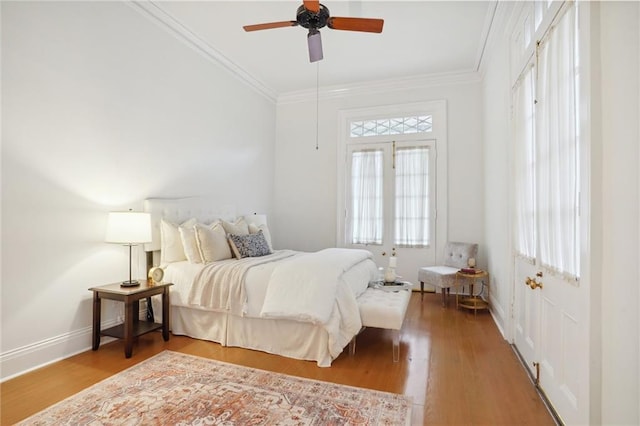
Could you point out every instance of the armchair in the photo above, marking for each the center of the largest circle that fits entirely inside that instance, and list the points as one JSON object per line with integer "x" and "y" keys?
{"x": 456, "y": 256}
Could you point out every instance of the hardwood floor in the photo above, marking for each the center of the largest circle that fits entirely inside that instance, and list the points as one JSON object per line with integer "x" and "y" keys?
{"x": 457, "y": 368}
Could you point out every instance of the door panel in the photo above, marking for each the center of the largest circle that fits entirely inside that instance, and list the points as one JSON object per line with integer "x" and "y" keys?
{"x": 560, "y": 352}
{"x": 547, "y": 332}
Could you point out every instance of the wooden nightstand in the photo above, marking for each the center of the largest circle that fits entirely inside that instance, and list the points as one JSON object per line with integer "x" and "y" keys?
{"x": 132, "y": 326}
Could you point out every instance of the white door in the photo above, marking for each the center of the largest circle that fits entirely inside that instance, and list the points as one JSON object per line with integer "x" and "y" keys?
{"x": 548, "y": 333}
{"x": 392, "y": 171}
{"x": 403, "y": 149}
{"x": 550, "y": 322}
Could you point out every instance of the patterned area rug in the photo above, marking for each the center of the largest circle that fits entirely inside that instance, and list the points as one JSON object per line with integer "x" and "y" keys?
{"x": 180, "y": 389}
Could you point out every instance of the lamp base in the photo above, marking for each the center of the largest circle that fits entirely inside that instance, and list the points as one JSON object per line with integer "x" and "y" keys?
{"x": 130, "y": 283}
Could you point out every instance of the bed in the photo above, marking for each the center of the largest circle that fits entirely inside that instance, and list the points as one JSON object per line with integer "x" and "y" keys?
{"x": 295, "y": 304}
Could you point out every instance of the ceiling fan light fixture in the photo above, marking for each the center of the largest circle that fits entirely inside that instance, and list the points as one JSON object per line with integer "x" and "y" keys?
{"x": 314, "y": 41}
{"x": 313, "y": 16}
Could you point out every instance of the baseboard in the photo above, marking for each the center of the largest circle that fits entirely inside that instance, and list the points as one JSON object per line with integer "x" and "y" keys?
{"x": 19, "y": 361}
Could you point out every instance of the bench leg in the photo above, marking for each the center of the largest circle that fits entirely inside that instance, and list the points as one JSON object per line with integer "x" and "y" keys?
{"x": 421, "y": 290}
{"x": 352, "y": 346}
{"x": 396, "y": 345}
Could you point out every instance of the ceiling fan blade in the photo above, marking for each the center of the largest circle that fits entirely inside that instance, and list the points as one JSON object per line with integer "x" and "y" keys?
{"x": 270, "y": 25}
{"x": 356, "y": 24}
{"x": 314, "y": 41}
{"x": 312, "y": 5}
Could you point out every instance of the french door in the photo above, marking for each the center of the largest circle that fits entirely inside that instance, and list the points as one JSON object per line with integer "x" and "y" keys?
{"x": 550, "y": 313}
{"x": 392, "y": 184}
{"x": 391, "y": 202}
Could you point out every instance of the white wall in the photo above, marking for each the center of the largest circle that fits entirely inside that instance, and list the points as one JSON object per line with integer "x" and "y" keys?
{"x": 496, "y": 96}
{"x": 102, "y": 108}
{"x": 620, "y": 141}
{"x": 306, "y": 178}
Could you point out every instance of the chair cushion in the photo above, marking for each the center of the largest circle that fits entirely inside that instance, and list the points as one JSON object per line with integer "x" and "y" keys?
{"x": 438, "y": 276}
{"x": 457, "y": 255}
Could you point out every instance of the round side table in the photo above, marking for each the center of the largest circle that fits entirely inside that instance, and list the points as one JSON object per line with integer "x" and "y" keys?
{"x": 473, "y": 302}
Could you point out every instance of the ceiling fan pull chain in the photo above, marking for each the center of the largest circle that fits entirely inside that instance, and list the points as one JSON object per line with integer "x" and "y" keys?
{"x": 317, "y": 102}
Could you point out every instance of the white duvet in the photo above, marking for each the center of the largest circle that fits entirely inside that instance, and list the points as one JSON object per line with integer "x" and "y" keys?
{"x": 306, "y": 287}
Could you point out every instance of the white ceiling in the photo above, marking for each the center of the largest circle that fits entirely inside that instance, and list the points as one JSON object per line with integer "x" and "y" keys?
{"x": 419, "y": 38}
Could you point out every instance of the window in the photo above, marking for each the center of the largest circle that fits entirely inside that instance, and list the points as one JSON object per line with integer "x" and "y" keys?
{"x": 405, "y": 170}
{"x": 412, "y": 197}
{"x": 367, "y": 196}
{"x": 392, "y": 180}
{"x": 546, "y": 153}
{"x": 392, "y": 126}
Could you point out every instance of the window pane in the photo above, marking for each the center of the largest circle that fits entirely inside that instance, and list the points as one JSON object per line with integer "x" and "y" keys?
{"x": 412, "y": 197}
{"x": 524, "y": 168}
{"x": 393, "y": 126}
{"x": 367, "y": 197}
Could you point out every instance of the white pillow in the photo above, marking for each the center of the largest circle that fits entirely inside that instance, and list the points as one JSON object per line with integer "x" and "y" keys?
{"x": 238, "y": 228}
{"x": 171, "y": 248}
{"x": 191, "y": 250}
{"x": 212, "y": 242}
{"x": 254, "y": 229}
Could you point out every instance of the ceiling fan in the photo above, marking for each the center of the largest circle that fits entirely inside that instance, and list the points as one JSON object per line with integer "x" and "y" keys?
{"x": 313, "y": 15}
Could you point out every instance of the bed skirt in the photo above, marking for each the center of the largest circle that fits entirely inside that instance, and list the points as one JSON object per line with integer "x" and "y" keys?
{"x": 292, "y": 339}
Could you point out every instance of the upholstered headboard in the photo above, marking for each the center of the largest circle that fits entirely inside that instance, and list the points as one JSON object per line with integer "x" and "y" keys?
{"x": 177, "y": 210}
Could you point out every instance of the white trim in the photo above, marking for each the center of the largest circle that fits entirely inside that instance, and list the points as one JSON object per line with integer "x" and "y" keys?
{"x": 497, "y": 32}
{"x": 174, "y": 27}
{"x": 381, "y": 86}
{"x": 19, "y": 361}
{"x": 489, "y": 19}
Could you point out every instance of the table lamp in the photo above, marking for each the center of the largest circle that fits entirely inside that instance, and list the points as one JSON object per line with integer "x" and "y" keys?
{"x": 129, "y": 228}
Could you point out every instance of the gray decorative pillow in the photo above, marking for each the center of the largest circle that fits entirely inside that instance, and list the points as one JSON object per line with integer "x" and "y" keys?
{"x": 250, "y": 245}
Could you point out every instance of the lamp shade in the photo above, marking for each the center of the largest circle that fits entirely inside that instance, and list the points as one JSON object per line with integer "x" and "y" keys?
{"x": 128, "y": 227}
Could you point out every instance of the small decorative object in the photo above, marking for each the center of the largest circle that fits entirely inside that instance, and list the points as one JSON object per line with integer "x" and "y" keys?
{"x": 156, "y": 274}
{"x": 390, "y": 275}
{"x": 471, "y": 262}
{"x": 390, "y": 272}
{"x": 129, "y": 228}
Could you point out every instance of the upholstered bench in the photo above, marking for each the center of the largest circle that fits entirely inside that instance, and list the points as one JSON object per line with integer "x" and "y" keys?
{"x": 381, "y": 308}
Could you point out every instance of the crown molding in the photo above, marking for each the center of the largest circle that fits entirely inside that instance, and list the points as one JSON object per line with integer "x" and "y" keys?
{"x": 502, "y": 17}
{"x": 152, "y": 10}
{"x": 489, "y": 19}
{"x": 381, "y": 86}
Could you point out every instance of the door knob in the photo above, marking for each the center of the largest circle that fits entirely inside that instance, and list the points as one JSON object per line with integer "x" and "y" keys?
{"x": 532, "y": 283}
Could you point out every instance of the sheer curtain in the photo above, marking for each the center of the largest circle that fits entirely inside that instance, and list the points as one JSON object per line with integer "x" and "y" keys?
{"x": 557, "y": 149}
{"x": 367, "y": 196}
{"x": 412, "y": 197}
{"x": 524, "y": 170}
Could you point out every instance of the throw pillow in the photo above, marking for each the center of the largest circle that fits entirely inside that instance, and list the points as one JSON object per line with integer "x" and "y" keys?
{"x": 240, "y": 227}
{"x": 171, "y": 248}
{"x": 191, "y": 250}
{"x": 212, "y": 242}
{"x": 254, "y": 229}
{"x": 250, "y": 245}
